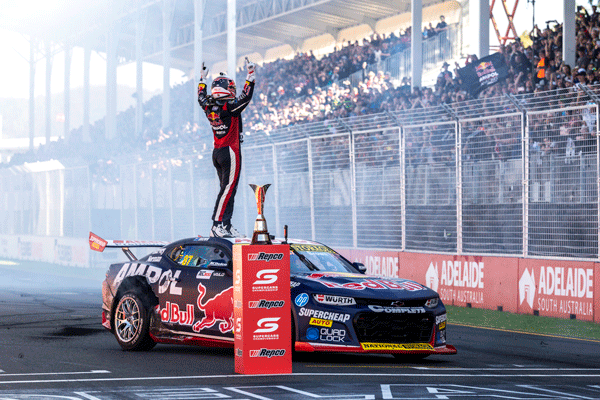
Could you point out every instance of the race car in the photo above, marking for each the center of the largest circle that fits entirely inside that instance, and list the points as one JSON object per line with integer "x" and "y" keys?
{"x": 183, "y": 293}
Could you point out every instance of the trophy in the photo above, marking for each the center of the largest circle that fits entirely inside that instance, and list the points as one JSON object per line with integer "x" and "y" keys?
{"x": 261, "y": 234}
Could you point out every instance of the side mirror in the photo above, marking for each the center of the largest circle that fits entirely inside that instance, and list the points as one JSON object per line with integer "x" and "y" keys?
{"x": 360, "y": 267}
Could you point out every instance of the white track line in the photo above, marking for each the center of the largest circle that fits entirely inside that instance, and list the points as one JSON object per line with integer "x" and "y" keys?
{"x": 96, "y": 371}
{"x": 159, "y": 378}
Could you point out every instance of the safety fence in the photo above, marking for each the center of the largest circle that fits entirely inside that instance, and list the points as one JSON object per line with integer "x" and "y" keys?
{"x": 512, "y": 175}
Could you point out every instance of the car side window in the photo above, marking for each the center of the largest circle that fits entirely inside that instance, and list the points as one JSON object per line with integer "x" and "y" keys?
{"x": 201, "y": 256}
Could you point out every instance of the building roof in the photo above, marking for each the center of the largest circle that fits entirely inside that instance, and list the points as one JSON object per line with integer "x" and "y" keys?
{"x": 261, "y": 24}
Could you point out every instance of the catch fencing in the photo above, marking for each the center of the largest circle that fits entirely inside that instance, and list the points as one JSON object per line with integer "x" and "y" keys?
{"x": 511, "y": 175}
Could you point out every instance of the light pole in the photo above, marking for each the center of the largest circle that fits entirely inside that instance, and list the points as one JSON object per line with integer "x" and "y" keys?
{"x": 532, "y": 47}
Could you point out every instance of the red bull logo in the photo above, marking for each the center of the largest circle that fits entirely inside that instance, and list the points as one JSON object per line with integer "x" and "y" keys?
{"x": 172, "y": 314}
{"x": 213, "y": 116}
{"x": 484, "y": 66}
{"x": 217, "y": 309}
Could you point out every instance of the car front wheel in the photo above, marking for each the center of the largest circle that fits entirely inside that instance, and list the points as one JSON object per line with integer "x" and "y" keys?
{"x": 132, "y": 322}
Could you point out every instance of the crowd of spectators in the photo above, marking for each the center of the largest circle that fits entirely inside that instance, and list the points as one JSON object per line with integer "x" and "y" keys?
{"x": 309, "y": 89}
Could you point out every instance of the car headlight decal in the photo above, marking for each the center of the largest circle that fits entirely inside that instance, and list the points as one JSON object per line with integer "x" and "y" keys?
{"x": 432, "y": 303}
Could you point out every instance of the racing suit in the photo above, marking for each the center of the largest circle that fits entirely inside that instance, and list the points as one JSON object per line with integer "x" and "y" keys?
{"x": 226, "y": 121}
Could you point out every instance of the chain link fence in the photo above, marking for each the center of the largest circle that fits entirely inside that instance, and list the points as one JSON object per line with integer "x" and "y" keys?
{"x": 512, "y": 175}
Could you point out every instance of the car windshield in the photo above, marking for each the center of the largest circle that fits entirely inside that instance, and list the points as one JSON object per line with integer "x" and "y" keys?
{"x": 310, "y": 257}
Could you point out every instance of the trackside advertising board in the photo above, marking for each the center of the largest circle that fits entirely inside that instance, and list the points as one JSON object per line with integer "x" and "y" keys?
{"x": 465, "y": 281}
{"x": 557, "y": 288}
{"x": 554, "y": 288}
{"x": 262, "y": 313}
{"x": 59, "y": 250}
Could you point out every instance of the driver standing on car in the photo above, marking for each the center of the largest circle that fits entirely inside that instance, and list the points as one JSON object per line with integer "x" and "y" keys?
{"x": 223, "y": 111}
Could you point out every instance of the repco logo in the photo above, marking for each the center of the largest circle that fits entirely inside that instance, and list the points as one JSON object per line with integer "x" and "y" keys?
{"x": 267, "y": 353}
{"x": 268, "y": 304}
{"x": 265, "y": 256}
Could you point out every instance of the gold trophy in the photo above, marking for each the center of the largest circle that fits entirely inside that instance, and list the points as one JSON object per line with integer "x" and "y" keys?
{"x": 261, "y": 234}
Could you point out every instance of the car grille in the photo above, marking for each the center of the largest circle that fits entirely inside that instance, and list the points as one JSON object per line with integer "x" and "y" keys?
{"x": 391, "y": 303}
{"x": 393, "y": 328}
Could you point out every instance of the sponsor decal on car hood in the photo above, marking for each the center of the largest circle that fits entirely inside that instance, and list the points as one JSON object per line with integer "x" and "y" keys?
{"x": 358, "y": 285}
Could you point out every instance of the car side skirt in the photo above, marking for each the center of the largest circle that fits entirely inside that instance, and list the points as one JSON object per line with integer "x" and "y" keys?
{"x": 193, "y": 340}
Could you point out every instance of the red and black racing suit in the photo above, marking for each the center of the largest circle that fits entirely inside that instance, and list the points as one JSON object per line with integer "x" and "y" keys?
{"x": 225, "y": 117}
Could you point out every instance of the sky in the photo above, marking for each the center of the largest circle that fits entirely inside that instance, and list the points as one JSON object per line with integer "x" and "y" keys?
{"x": 14, "y": 68}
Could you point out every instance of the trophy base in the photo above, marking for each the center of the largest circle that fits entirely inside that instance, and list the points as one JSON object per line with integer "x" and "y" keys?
{"x": 261, "y": 238}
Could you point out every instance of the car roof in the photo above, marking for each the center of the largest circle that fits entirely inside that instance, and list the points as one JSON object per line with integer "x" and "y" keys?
{"x": 229, "y": 242}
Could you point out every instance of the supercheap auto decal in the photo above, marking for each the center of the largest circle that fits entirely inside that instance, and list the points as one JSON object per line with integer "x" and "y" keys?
{"x": 337, "y": 317}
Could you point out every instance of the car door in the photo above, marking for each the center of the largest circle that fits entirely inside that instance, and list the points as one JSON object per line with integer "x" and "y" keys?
{"x": 205, "y": 306}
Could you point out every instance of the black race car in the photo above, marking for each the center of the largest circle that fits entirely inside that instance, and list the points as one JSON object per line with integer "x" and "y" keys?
{"x": 183, "y": 293}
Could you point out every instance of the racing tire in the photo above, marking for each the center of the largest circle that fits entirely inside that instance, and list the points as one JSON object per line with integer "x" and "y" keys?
{"x": 410, "y": 357}
{"x": 132, "y": 322}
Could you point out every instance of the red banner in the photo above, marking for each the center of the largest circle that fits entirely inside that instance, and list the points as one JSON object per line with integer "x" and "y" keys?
{"x": 557, "y": 288}
{"x": 262, "y": 313}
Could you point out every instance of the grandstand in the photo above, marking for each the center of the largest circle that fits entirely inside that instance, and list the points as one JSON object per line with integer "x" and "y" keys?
{"x": 358, "y": 157}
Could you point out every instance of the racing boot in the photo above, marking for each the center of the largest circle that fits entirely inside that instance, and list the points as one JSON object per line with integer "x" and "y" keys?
{"x": 234, "y": 232}
{"x": 219, "y": 230}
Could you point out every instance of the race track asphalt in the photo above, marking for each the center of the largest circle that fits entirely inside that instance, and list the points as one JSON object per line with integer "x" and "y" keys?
{"x": 52, "y": 346}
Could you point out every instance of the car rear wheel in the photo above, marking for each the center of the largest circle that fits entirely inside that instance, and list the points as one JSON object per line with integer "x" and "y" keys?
{"x": 132, "y": 322}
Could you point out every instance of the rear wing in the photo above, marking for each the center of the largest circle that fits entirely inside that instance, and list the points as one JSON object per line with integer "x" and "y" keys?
{"x": 99, "y": 244}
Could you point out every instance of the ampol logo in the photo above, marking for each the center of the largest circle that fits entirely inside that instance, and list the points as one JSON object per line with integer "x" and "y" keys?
{"x": 527, "y": 288}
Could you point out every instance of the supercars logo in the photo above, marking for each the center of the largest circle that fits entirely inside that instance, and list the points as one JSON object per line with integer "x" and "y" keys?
{"x": 266, "y": 276}
{"x": 267, "y": 325}
{"x": 262, "y": 256}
